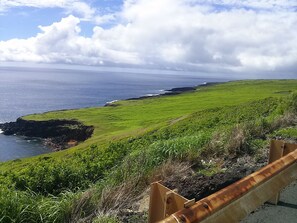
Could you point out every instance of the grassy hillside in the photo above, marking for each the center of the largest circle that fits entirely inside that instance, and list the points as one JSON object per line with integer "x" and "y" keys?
{"x": 133, "y": 138}
{"x": 137, "y": 116}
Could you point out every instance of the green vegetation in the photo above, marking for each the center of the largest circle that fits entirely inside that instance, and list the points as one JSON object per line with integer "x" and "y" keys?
{"x": 286, "y": 133}
{"x": 133, "y": 139}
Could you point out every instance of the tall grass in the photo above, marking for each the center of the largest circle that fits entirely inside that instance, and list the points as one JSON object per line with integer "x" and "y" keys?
{"x": 114, "y": 173}
{"x": 27, "y": 206}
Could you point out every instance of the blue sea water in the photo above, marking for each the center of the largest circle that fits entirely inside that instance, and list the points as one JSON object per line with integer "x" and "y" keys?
{"x": 27, "y": 90}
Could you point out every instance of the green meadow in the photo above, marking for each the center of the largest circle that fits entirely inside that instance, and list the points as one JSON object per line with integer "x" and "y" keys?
{"x": 130, "y": 118}
{"x": 133, "y": 139}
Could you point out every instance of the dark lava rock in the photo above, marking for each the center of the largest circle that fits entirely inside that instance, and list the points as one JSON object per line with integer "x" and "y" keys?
{"x": 199, "y": 186}
{"x": 56, "y": 132}
{"x": 175, "y": 91}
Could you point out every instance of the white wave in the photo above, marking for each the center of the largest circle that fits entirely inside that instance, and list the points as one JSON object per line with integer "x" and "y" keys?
{"x": 163, "y": 91}
{"x": 110, "y": 102}
{"x": 1, "y": 131}
{"x": 150, "y": 95}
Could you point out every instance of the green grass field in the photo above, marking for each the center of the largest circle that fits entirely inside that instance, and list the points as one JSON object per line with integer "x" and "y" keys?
{"x": 135, "y": 137}
{"x": 138, "y": 116}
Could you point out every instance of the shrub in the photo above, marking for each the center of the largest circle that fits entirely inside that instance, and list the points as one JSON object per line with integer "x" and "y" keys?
{"x": 181, "y": 148}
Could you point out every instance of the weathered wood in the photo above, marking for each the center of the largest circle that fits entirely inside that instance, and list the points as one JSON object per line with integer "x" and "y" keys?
{"x": 278, "y": 149}
{"x": 236, "y": 201}
{"x": 164, "y": 202}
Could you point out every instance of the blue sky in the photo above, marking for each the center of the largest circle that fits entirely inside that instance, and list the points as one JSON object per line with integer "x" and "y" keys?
{"x": 23, "y": 22}
{"x": 244, "y": 36}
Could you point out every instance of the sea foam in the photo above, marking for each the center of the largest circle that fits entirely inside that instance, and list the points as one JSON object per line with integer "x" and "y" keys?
{"x": 110, "y": 102}
{"x": 150, "y": 95}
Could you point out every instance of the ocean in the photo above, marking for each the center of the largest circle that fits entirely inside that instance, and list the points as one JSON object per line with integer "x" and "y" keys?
{"x": 27, "y": 90}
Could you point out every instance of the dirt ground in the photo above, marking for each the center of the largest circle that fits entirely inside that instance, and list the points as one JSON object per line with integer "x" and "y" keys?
{"x": 198, "y": 186}
{"x": 191, "y": 184}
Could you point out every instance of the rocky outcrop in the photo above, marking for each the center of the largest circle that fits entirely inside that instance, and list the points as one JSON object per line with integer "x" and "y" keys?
{"x": 173, "y": 91}
{"x": 58, "y": 134}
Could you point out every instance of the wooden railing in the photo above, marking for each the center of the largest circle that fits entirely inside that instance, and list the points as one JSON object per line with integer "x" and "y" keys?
{"x": 234, "y": 202}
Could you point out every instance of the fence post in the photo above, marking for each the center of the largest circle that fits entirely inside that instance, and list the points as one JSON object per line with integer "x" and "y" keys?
{"x": 278, "y": 149}
{"x": 276, "y": 152}
{"x": 164, "y": 202}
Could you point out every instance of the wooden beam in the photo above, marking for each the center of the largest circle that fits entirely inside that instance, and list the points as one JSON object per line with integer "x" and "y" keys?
{"x": 236, "y": 201}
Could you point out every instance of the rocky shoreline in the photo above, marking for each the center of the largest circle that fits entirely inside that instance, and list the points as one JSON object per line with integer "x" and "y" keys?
{"x": 63, "y": 134}
{"x": 172, "y": 91}
{"x": 57, "y": 134}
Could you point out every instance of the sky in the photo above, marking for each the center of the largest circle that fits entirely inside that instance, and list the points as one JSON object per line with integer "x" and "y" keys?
{"x": 211, "y": 36}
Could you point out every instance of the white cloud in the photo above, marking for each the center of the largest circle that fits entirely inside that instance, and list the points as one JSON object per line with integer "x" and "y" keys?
{"x": 61, "y": 42}
{"x": 191, "y": 34}
{"x": 103, "y": 19}
{"x": 71, "y": 6}
{"x": 263, "y": 5}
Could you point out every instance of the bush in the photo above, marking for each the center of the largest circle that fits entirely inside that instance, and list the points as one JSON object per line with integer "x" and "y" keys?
{"x": 181, "y": 148}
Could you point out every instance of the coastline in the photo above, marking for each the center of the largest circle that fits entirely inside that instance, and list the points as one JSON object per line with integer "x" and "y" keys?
{"x": 63, "y": 134}
{"x": 169, "y": 92}
{"x": 56, "y": 134}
